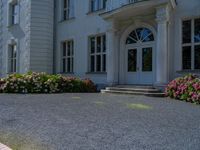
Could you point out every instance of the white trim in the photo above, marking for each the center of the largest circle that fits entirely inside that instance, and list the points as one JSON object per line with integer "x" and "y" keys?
{"x": 123, "y": 38}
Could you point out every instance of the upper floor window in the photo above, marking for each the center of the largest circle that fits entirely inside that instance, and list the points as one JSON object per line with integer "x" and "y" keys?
{"x": 14, "y": 13}
{"x": 68, "y": 57}
{"x": 13, "y": 9}
{"x": 68, "y": 9}
{"x": 96, "y": 5}
{"x": 97, "y": 53}
{"x": 191, "y": 44}
{"x": 12, "y": 58}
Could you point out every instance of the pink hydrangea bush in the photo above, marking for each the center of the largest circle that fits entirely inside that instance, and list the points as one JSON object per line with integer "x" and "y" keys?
{"x": 185, "y": 88}
{"x": 44, "y": 83}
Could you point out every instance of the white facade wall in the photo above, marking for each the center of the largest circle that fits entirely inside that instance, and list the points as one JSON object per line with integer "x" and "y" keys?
{"x": 40, "y": 33}
{"x": 17, "y": 33}
{"x": 83, "y": 25}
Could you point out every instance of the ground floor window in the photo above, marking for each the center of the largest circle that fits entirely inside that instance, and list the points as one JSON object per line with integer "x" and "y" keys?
{"x": 68, "y": 56}
{"x": 97, "y": 53}
{"x": 191, "y": 44}
{"x": 12, "y": 58}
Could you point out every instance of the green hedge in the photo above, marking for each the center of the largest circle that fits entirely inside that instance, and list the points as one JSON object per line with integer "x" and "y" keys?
{"x": 44, "y": 83}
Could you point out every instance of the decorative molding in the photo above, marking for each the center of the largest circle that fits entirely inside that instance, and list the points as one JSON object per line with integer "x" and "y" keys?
{"x": 162, "y": 14}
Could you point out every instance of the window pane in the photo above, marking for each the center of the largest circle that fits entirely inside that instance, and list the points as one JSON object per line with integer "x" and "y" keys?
{"x": 92, "y": 44}
{"x": 186, "y": 60}
{"x": 68, "y": 65}
{"x": 186, "y": 31}
{"x": 104, "y": 63}
{"x": 92, "y": 64}
{"x": 98, "y": 63}
{"x": 99, "y": 44}
{"x": 14, "y": 65}
{"x": 64, "y": 49}
{"x": 72, "y": 63}
{"x": 139, "y": 33}
{"x": 132, "y": 60}
{"x": 133, "y": 36}
{"x": 197, "y": 57}
{"x": 64, "y": 65}
{"x": 104, "y": 43}
{"x": 69, "y": 48}
{"x": 197, "y": 30}
{"x": 72, "y": 42}
{"x": 130, "y": 41}
{"x": 11, "y": 65}
{"x": 147, "y": 59}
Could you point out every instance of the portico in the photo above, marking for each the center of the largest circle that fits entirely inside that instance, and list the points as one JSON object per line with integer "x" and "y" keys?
{"x": 137, "y": 42}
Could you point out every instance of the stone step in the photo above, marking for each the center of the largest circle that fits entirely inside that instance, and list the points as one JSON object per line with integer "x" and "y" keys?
{"x": 135, "y": 89}
{"x": 135, "y": 86}
{"x": 134, "y": 93}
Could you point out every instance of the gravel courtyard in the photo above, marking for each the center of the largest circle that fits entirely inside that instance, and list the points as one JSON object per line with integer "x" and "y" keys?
{"x": 98, "y": 122}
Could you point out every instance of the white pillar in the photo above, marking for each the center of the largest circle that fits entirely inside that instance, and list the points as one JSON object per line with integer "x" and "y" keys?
{"x": 162, "y": 19}
{"x": 112, "y": 54}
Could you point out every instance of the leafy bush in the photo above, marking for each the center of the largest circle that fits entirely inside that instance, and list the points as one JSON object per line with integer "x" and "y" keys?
{"x": 185, "y": 88}
{"x": 44, "y": 83}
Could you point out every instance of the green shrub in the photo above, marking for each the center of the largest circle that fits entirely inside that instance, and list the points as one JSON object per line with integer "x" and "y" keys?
{"x": 185, "y": 88}
{"x": 44, "y": 83}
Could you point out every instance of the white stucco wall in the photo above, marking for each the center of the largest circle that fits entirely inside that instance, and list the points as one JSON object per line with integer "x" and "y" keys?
{"x": 35, "y": 35}
{"x": 41, "y": 33}
{"x": 185, "y": 9}
{"x": 19, "y": 33}
{"x": 78, "y": 29}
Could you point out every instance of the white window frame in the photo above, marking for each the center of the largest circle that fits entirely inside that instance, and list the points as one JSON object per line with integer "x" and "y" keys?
{"x": 13, "y": 17}
{"x": 12, "y": 58}
{"x": 95, "y": 54}
{"x": 66, "y": 57}
{"x": 69, "y": 9}
{"x": 97, "y": 5}
{"x": 192, "y": 44}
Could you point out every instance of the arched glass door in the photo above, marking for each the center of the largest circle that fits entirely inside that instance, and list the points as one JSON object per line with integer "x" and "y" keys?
{"x": 140, "y": 57}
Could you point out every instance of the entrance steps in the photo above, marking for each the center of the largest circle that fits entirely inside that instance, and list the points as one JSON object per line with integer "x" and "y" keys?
{"x": 134, "y": 90}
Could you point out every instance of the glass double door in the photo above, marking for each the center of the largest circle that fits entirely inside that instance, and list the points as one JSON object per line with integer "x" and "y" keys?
{"x": 140, "y": 65}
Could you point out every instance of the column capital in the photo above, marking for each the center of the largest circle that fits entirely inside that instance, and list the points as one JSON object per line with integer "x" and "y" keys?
{"x": 162, "y": 14}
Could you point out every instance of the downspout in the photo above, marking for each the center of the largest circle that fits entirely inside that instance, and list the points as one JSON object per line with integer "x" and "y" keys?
{"x": 54, "y": 38}
{"x": 1, "y": 35}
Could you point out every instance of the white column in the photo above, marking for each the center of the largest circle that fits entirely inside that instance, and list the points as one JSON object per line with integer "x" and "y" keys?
{"x": 162, "y": 19}
{"x": 112, "y": 54}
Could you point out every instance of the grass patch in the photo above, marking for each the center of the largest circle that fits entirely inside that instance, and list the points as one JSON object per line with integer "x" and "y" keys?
{"x": 99, "y": 103}
{"x": 19, "y": 142}
{"x": 138, "y": 106}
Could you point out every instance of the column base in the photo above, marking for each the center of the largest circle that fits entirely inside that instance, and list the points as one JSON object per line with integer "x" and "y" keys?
{"x": 161, "y": 86}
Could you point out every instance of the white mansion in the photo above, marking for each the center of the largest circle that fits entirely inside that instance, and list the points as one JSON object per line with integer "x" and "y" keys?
{"x": 108, "y": 41}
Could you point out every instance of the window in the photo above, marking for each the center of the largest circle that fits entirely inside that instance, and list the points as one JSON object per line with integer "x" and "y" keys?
{"x": 13, "y": 58}
{"x": 68, "y": 57}
{"x": 97, "y": 53}
{"x": 191, "y": 44}
{"x": 68, "y": 10}
{"x": 14, "y": 11}
{"x": 140, "y": 35}
{"x": 96, "y": 5}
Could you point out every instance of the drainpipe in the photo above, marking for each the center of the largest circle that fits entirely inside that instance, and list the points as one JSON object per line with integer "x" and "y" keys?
{"x": 54, "y": 38}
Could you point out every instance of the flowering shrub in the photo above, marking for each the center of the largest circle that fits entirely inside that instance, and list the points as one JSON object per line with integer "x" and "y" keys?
{"x": 44, "y": 83}
{"x": 185, "y": 88}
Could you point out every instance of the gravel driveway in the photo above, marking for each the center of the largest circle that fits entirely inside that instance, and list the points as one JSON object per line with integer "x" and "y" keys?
{"x": 98, "y": 122}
